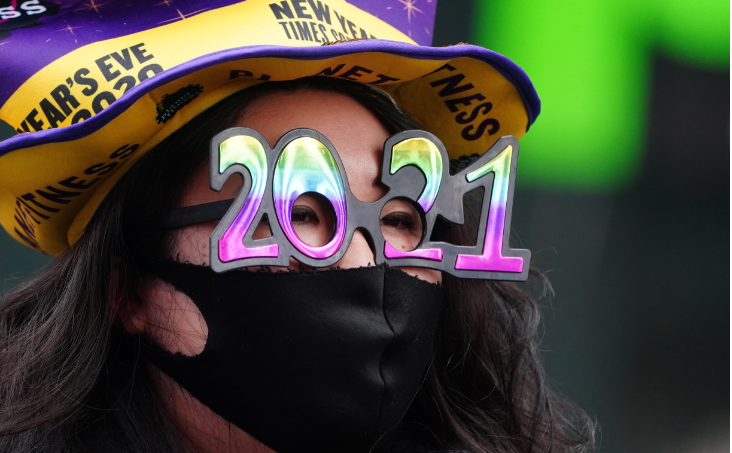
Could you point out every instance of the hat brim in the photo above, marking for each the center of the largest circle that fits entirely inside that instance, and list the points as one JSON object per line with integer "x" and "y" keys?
{"x": 466, "y": 95}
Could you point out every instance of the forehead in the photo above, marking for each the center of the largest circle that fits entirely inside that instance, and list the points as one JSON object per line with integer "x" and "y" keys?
{"x": 355, "y": 132}
{"x": 352, "y": 128}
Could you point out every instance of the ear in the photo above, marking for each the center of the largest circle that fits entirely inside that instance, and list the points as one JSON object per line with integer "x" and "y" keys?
{"x": 172, "y": 320}
{"x": 156, "y": 309}
{"x": 128, "y": 311}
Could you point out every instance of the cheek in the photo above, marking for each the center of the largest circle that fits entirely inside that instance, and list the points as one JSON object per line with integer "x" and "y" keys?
{"x": 191, "y": 244}
{"x": 428, "y": 275}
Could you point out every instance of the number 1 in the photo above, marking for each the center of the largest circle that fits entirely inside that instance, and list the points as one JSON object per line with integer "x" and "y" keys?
{"x": 492, "y": 259}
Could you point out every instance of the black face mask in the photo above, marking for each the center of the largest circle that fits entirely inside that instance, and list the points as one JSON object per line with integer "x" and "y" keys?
{"x": 324, "y": 361}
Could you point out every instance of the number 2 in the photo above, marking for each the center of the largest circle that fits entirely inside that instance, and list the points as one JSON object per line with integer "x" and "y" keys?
{"x": 248, "y": 152}
{"x": 423, "y": 154}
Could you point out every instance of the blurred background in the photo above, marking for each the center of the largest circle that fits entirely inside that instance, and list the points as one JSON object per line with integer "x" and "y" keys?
{"x": 623, "y": 197}
{"x": 622, "y": 194}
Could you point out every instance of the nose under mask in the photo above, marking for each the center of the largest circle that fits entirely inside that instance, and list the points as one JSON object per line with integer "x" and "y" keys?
{"x": 325, "y": 361}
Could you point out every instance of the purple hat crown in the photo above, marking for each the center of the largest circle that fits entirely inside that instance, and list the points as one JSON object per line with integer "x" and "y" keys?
{"x": 52, "y": 30}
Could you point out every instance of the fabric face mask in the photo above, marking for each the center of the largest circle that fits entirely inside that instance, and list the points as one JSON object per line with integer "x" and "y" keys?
{"x": 325, "y": 361}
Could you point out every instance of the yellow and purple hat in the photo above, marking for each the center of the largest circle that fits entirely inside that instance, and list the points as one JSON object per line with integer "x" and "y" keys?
{"x": 91, "y": 85}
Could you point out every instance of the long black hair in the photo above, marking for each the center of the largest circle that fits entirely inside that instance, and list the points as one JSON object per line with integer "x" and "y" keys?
{"x": 72, "y": 381}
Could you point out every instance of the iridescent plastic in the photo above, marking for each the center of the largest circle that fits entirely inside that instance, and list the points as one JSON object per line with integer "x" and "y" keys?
{"x": 246, "y": 151}
{"x": 304, "y": 161}
{"x": 428, "y": 254}
{"x": 424, "y": 155}
{"x": 491, "y": 259}
{"x": 306, "y": 165}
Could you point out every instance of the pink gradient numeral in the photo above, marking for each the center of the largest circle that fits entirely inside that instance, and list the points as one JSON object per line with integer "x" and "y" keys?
{"x": 247, "y": 151}
{"x": 492, "y": 259}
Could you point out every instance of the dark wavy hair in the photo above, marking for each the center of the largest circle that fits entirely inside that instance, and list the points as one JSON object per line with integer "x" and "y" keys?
{"x": 72, "y": 381}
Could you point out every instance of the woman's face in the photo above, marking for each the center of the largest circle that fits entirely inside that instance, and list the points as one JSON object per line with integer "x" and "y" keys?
{"x": 359, "y": 137}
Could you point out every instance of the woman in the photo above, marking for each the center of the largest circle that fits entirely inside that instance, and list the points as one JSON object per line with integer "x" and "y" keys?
{"x": 114, "y": 347}
{"x": 484, "y": 391}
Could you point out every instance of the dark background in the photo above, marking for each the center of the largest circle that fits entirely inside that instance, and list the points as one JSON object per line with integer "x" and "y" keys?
{"x": 638, "y": 332}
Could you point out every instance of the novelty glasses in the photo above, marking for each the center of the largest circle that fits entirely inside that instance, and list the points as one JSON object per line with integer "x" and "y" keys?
{"x": 301, "y": 189}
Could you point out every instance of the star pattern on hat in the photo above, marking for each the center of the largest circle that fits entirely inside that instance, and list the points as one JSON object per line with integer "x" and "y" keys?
{"x": 71, "y": 29}
{"x": 92, "y": 6}
{"x": 419, "y": 20}
{"x": 411, "y": 9}
{"x": 182, "y": 16}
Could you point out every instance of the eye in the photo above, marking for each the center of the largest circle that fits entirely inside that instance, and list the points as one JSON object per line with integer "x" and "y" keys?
{"x": 401, "y": 224}
{"x": 303, "y": 215}
{"x": 398, "y": 220}
{"x": 313, "y": 219}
